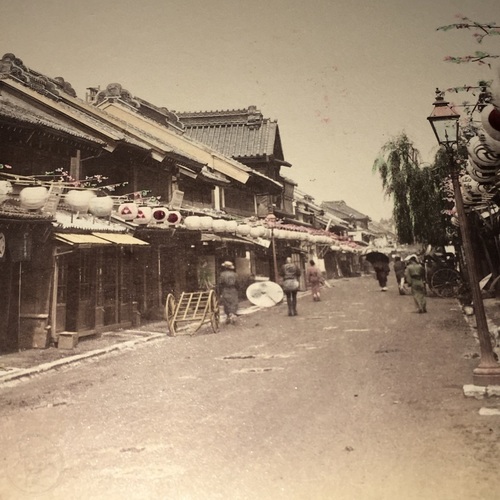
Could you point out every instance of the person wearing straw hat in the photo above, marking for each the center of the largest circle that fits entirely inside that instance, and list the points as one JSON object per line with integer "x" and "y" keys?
{"x": 228, "y": 289}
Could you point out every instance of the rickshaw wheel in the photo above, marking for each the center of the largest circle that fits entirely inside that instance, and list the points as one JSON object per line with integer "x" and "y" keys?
{"x": 214, "y": 307}
{"x": 170, "y": 314}
{"x": 446, "y": 283}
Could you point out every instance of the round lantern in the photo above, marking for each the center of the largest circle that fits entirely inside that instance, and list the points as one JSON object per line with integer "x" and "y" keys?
{"x": 192, "y": 222}
{"x": 33, "y": 198}
{"x": 257, "y": 232}
{"x": 206, "y": 222}
{"x": 128, "y": 211}
{"x": 174, "y": 218}
{"x": 101, "y": 206}
{"x": 144, "y": 215}
{"x": 159, "y": 215}
{"x": 219, "y": 225}
{"x": 243, "y": 229}
{"x": 491, "y": 143}
{"x": 5, "y": 190}
{"x": 78, "y": 199}
{"x": 231, "y": 226}
{"x": 490, "y": 118}
{"x": 481, "y": 154}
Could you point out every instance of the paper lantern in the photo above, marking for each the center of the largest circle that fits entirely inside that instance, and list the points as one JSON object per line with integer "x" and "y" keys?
{"x": 481, "y": 154}
{"x": 128, "y": 211}
{"x": 490, "y": 118}
{"x": 159, "y": 215}
{"x": 144, "y": 215}
{"x": 206, "y": 222}
{"x": 257, "y": 232}
{"x": 491, "y": 143}
{"x": 79, "y": 200}
{"x": 231, "y": 226}
{"x": 192, "y": 222}
{"x": 219, "y": 225}
{"x": 101, "y": 206}
{"x": 243, "y": 229}
{"x": 33, "y": 198}
{"x": 173, "y": 218}
{"x": 5, "y": 190}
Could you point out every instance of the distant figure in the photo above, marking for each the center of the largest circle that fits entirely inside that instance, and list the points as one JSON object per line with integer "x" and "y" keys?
{"x": 399, "y": 269}
{"x": 314, "y": 280}
{"x": 290, "y": 274}
{"x": 415, "y": 277}
{"x": 381, "y": 271}
{"x": 228, "y": 288}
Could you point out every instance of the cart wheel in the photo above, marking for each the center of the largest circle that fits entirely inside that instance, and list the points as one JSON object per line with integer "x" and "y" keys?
{"x": 170, "y": 314}
{"x": 446, "y": 282}
{"x": 214, "y": 307}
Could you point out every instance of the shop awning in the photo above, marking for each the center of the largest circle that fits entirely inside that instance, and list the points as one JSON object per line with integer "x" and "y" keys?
{"x": 227, "y": 239}
{"x": 120, "y": 239}
{"x": 77, "y": 239}
{"x": 80, "y": 239}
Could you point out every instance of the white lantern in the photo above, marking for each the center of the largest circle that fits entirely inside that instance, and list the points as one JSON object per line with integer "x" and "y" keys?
{"x": 231, "y": 226}
{"x": 219, "y": 225}
{"x": 174, "y": 218}
{"x": 159, "y": 215}
{"x": 33, "y": 198}
{"x": 101, "y": 206}
{"x": 192, "y": 222}
{"x": 5, "y": 190}
{"x": 206, "y": 222}
{"x": 128, "y": 211}
{"x": 257, "y": 232}
{"x": 243, "y": 229}
{"x": 79, "y": 200}
{"x": 144, "y": 215}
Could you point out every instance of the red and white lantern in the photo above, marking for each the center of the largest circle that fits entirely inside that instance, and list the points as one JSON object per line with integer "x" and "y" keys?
{"x": 128, "y": 211}
{"x": 144, "y": 215}
{"x": 174, "y": 218}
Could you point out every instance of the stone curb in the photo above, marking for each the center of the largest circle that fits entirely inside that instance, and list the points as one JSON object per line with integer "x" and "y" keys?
{"x": 44, "y": 367}
{"x": 480, "y": 392}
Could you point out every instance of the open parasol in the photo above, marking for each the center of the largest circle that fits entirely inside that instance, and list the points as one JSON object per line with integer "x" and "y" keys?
{"x": 265, "y": 293}
{"x": 373, "y": 257}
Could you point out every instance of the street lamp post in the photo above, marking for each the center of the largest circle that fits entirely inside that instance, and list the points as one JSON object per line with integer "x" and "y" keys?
{"x": 444, "y": 123}
{"x": 271, "y": 221}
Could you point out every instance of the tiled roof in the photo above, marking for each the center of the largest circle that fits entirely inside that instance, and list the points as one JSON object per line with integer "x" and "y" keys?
{"x": 24, "y": 113}
{"x": 159, "y": 114}
{"x": 240, "y": 133}
{"x": 342, "y": 210}
{"x": 12, "y": 66}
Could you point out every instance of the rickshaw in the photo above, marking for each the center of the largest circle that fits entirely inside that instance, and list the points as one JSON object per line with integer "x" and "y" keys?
{"x": 441, "y": 274}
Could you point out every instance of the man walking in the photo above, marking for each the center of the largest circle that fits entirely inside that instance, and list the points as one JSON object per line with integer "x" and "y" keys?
{"x": 415, "y": 277}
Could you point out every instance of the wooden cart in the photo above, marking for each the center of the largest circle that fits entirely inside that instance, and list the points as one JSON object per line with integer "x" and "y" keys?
{"x": 193, "y": 307}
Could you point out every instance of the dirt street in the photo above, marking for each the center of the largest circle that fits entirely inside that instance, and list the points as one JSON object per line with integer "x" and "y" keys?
{"x": 358, "y": 397}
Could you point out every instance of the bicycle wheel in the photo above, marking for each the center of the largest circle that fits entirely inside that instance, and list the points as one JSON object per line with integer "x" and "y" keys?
{"x": 446, "y": 282}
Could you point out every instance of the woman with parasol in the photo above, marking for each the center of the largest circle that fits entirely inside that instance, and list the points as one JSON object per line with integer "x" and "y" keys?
{"x": 380, "y": 263}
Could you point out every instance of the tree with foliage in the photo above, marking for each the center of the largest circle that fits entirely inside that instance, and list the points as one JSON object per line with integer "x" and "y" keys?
{"x": 417, "y": 194}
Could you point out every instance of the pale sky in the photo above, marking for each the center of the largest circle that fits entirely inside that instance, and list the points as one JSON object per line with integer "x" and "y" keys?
{"x": 340, "y": 76}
